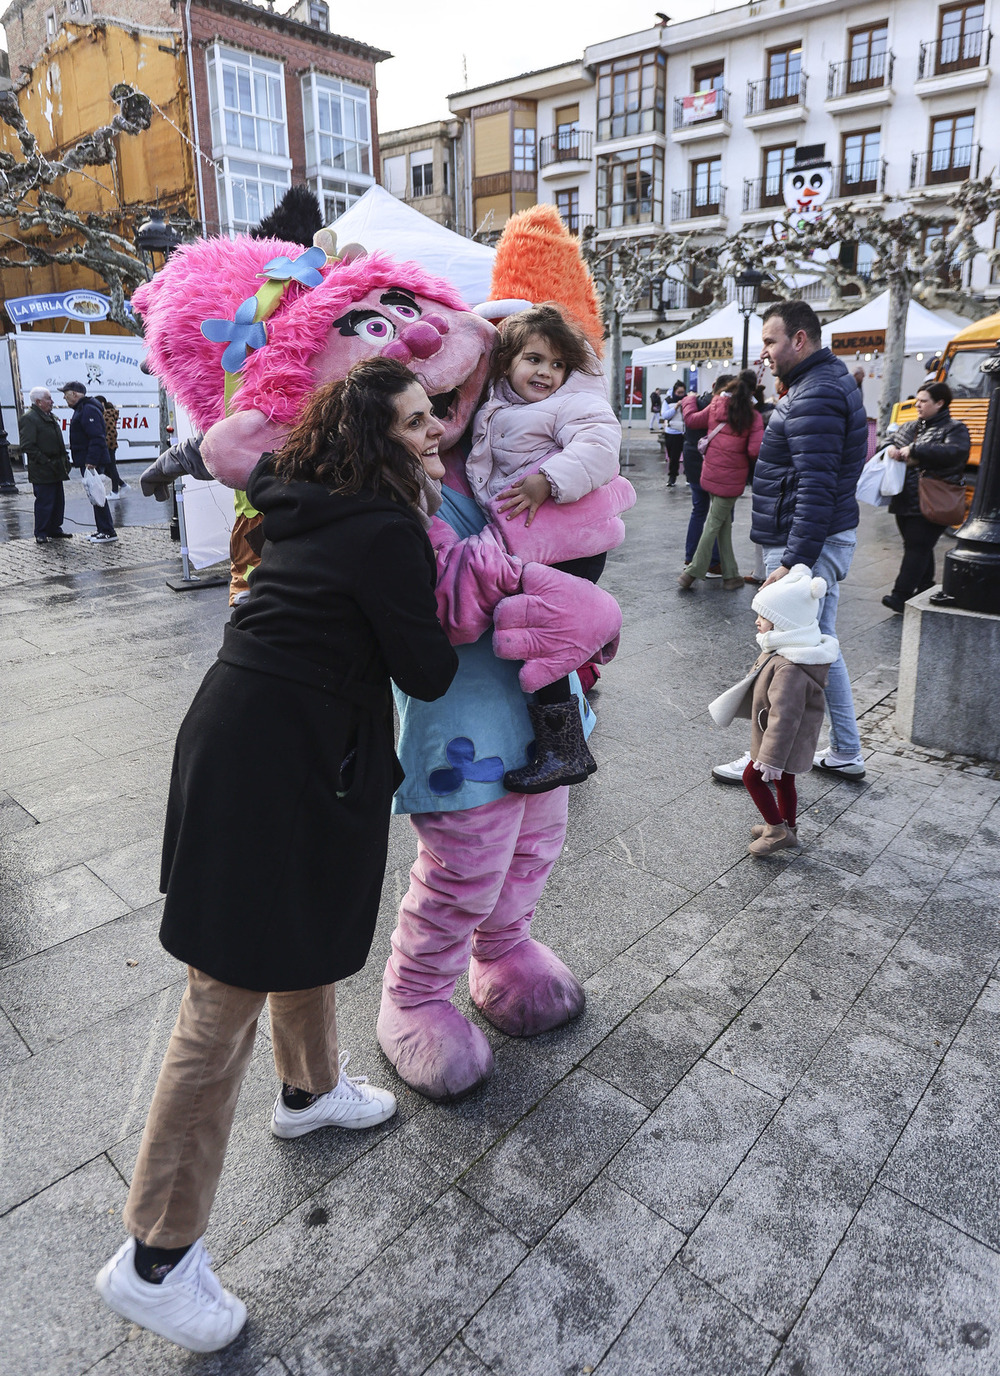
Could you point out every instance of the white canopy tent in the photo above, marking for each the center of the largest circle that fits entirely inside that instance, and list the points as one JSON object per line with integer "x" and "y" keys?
{"x": 926, "y": 332}
{"x": 379, "y": 221}
{"x": 725, "y": 324}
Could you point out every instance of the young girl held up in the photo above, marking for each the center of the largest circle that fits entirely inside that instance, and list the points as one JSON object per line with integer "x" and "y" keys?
{"x": 787, "y": 711}
{"x": 546, "y": 433}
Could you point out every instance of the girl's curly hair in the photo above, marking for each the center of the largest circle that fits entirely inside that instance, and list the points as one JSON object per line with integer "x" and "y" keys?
{"x": 563, "y": 337}
{"x": 342, "y": 440}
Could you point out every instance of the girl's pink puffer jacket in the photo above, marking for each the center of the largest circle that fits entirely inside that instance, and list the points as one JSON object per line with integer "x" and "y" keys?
{"x": 727, "y": 460}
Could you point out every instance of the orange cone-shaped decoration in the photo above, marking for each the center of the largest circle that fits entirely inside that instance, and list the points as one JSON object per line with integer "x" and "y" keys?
{"x": 539, "y": 260}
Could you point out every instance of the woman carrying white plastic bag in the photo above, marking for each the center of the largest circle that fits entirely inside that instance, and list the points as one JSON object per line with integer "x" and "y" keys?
{"x": 881, "y": 478}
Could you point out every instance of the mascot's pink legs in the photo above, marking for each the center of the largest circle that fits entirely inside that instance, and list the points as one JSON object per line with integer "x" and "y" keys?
{"x": 473, "y": 888}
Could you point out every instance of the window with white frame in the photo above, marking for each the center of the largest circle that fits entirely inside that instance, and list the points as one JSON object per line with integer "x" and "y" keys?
{"x": 422, "y": 173}
{"x": 337, "y": 125}
{"x": 335, "y": 194}
{"x": 246, "y": 97}
{"x": 248, "y": 191}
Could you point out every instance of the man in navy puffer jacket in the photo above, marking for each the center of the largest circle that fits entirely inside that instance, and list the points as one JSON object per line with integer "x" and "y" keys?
{"x": 804, "y": 508}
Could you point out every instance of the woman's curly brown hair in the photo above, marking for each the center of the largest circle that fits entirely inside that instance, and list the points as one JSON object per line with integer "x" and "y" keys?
{"x": 563, "y": 337}
{"x": 342, "y": 440}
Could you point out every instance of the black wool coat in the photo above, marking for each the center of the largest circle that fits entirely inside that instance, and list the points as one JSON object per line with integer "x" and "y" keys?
{"x": 43, "y": 446}
{"x": 277, "y": 822}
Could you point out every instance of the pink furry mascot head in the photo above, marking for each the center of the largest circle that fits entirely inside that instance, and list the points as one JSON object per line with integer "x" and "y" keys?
{"x": 368, "y": 305}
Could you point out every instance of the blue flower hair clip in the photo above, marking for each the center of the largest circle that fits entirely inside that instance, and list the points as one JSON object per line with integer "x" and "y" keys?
{"x": 305, "y": 269}
{"x": 241, "y": 334}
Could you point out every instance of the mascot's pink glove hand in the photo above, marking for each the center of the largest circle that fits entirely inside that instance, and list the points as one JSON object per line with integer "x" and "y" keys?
{"x": 473, "y": 575}
{"x": 557, "y": 623}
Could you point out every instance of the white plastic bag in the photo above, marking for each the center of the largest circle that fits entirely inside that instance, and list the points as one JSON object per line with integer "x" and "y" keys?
{"x": 94, "y": 488}
{"x": 881, "y": 478}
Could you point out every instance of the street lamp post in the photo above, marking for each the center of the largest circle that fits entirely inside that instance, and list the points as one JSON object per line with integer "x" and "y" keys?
{"x": 748, "y": 284}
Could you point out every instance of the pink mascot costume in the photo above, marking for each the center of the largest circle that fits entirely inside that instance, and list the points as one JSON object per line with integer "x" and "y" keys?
{"x": 241, "y": 332}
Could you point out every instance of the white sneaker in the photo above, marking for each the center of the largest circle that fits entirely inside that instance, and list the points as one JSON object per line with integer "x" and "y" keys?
{"x": 353, "y": 1104}
{"x": 189, "y": 1307}
{"x": 831, "y": 764}
{"x": 731, "y": 773}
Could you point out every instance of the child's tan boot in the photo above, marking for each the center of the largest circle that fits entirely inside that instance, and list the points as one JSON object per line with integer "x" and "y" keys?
{"x": 773, "y": 838}
{"x": 758, "y": 830}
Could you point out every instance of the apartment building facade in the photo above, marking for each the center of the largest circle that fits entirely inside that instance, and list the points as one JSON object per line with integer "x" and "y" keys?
{"x": 690, "y": 127}
{"x": 424, "y": 166}
{"x": 527, "y": 140}
{"x": 247, "y": 103}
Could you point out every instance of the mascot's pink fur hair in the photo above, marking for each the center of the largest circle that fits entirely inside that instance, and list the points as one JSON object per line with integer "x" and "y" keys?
{"x": 209, "y": 279}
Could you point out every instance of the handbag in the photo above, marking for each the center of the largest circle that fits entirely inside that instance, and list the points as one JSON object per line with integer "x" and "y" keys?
{"x": 94, "y": 487}
{"x": 940, "y": 502}
{"x": 706, "y": 440}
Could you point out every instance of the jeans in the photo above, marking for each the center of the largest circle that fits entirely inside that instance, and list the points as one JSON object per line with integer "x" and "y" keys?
{"x": 718, "y": 525}
{"x": 50, "y": 507}
{"x": 916, "y": 572}
{"x": 191, "y": 1116}
{"x": 699, "y": 510}
{"x": 833, "y": 564}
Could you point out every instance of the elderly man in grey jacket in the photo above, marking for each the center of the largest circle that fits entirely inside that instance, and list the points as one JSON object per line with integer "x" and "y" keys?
{"x": 48, "y": 465}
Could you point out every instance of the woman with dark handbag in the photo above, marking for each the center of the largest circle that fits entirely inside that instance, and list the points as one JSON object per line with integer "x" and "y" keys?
{"x": 935, "y": 449}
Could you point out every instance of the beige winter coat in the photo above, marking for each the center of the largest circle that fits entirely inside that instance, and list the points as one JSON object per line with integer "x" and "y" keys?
{"x": 787, "y": 714}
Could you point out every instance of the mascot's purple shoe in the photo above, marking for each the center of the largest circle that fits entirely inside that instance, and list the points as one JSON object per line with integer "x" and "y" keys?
{"x": 434, "y": 1048}
{"x": 526, "y": 991}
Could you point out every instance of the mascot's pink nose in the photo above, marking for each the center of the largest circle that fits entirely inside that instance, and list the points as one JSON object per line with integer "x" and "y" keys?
{"x": 422, "y": 339}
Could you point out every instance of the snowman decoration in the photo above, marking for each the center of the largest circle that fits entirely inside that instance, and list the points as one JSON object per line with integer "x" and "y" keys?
{"x": 806, "y": 187}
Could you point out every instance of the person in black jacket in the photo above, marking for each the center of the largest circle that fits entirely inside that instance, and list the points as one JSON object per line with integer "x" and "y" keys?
{"x": 88, "y": 444}
{"x": 44, "y": 449}
{"x": 277, "y": 822}
{"x": 804, "y": 508}
{"x": 695, "y": 409}
{"x": 938, "y": 445}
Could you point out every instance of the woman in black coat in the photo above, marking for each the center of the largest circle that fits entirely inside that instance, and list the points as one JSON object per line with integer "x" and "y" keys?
{"x": 277, "y": 821}
{"x": 937, "y": 445}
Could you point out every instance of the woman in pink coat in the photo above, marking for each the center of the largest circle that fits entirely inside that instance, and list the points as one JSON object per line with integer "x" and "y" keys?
{"x": 735, "y": 430}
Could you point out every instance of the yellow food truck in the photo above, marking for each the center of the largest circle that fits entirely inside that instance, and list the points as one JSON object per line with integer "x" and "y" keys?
{"x": 970, "y": 388}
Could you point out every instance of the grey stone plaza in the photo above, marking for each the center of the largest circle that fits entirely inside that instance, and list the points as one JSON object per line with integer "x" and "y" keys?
{"x": 771, "y": 1144}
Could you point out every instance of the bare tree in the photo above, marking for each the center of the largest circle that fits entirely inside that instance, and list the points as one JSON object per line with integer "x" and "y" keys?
{"x": 48, "y": 231}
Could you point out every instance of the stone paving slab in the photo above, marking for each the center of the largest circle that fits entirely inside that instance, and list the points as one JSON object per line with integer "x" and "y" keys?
{"x": 768, "y": 1145}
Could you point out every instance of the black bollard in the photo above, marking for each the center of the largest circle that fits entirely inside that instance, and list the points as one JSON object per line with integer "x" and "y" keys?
{"x": 971, "y": 580}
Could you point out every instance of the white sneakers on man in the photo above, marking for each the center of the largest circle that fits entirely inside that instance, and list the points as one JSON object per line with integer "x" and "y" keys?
{"x": 731, "y": 773}
{"x": 847, "y": 766}
{"x": 189, "y": 1306}
{"x": 353, "y": 1103}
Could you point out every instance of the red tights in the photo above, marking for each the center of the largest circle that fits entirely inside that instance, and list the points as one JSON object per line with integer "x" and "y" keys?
{"x": 774, "y": 813}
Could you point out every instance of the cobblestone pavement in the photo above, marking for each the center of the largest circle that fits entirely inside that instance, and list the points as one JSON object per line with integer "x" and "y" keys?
{"x": 770, "y": 1144}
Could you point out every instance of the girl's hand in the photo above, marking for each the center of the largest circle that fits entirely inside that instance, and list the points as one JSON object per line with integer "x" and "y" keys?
{"x": 767, "y": 772}
{"x": 527, "y": 495}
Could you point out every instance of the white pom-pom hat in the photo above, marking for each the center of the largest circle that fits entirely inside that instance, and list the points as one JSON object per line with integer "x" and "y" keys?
{"x": 792, "y": 603}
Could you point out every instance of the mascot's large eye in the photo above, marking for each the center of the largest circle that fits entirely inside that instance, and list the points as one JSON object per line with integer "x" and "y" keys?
{"x": 367, "y": 325}
{"x": 816, "y": 180}
{"x": 402, "y": 305}
{"x": 798, "y": 182}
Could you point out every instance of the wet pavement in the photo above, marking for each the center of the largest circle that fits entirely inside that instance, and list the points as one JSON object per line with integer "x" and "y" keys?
{"x": 769, "y": 1145}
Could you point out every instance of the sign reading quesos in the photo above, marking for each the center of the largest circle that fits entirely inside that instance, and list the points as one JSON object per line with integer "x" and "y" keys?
{"x": 694, "y": 350}
{"x": 864, "y": 342}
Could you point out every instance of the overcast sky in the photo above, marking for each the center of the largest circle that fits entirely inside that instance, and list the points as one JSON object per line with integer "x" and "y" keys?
{"x": 430, "y": 41}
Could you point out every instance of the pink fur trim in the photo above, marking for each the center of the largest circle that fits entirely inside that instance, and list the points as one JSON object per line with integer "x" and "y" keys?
{"x": 210, "y": 278}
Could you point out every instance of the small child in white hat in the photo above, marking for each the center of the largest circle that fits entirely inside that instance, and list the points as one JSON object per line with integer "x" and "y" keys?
{"x": 788, "y": 701}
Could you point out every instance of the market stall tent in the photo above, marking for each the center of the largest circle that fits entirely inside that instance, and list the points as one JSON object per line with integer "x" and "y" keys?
{"x": 926, "y": 332}
{"x": 379, "y": 221}
{"x": 723, "y": 325}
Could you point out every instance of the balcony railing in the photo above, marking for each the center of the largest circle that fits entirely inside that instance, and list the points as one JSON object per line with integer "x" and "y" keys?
{"x": 576, "y": 224}
{"x": 945, "y": 165}
{"x": 759, "y": 193}
{"x": 772, "y": 92}
{"x": 872, "y": 72}
{"x": 570, "y": 145}
{"x": 860, "y": 178}
{"x": 700, "y": 106}
{"x": 688, "y": 205}
{"x": 957, "y": 54}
